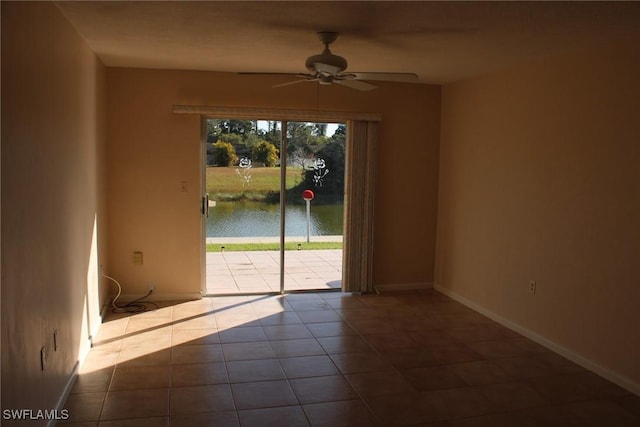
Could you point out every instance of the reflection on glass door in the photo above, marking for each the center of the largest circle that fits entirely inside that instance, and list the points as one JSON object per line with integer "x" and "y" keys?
{"x": 246, "y": 176}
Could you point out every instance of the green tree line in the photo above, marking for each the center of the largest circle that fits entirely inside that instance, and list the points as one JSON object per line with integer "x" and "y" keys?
{"x": 320, "y": 157}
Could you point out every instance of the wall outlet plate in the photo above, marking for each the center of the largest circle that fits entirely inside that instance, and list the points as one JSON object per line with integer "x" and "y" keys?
{"x": 532, "y": 286}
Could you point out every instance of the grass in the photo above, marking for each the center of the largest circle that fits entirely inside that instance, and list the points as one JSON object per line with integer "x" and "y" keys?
{"x": 288, "y": 246}
{"x": 225, "y": 184}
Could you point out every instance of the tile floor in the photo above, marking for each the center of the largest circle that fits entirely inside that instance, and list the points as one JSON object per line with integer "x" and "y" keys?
{"x": 259, "y": 271}
{"x": 333, "y": 359}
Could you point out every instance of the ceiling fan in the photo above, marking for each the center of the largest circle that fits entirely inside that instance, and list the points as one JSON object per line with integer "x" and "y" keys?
{"x": 327, "y": 68}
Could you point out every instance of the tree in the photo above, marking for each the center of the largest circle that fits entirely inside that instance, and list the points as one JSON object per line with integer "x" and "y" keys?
{"x": 319, "y": 129}
{"x": 218, "y": 127}
{"x": 224, "y": 154}
{"x": 299, "y": 136}
{"x": 238, "y": 141}
{"x": 213, "y": 132}
{"x": 266, "y": 153}
{"x": 328, "y": 180}
{"x": 340, "y": 133}
{"x": 231, "y": 138}
{"x": 272, "y": 134}
{"x": 238, "y": 127}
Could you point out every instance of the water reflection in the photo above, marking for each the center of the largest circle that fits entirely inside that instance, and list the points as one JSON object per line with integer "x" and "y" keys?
{"x": 255, "y": 219}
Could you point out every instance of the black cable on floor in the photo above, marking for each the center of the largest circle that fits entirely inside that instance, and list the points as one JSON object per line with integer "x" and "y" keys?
{"x": 135, "y": 306}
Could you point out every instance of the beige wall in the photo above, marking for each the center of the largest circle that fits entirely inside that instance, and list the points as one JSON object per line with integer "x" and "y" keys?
{"x": 53, "y": 122}
{"x": 151, "y": 150}
{"x": 540, "y": 180}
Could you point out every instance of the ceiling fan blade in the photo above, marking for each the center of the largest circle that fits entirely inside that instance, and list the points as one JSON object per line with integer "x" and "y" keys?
{"x": 252, "y": 73}
{"x": 295, "y": 82}
{"x": 387, "y": 77}
{"x": 303, "y": 77}
{"x": 355, "y": 84}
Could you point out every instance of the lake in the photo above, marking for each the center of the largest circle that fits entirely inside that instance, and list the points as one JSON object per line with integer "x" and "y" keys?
{"x": 256, "y": 219}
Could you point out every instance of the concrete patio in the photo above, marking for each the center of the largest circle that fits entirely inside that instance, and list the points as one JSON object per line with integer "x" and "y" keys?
{"x": 259, "y": 271}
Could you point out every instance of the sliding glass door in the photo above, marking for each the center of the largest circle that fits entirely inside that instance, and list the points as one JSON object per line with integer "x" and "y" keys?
{"x": 261, "y": 235}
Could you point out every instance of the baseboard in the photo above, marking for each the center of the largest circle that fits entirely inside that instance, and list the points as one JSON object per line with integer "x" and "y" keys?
{"x": 390, "y": 287}
{"x": 188, "y": 296}
{"x": 586, "y": 363}
{"x": 95, "y": 329}
{"x": 105, "y": 309}
{"x": 65, "y": 392}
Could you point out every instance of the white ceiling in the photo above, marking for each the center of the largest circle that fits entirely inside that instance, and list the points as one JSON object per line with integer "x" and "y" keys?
{"x": 439, "y": 41}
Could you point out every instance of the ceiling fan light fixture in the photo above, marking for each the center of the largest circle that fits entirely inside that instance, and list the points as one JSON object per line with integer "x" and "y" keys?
{"x": 325, "y": 80}
{"x": 326, "y": 69}
{"x": 326, "y": 61}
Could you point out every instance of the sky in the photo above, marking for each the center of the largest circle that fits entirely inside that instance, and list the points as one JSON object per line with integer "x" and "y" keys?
{"x": 331, "y": 127}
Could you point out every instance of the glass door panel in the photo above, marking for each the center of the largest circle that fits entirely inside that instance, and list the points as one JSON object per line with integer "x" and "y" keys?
{"x": 243, "y": 227}
{"x": 314, "y": 206}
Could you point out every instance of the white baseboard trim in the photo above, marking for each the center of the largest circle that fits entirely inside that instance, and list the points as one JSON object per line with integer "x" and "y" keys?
{"x": 85, "y": 347}
{"x": 105, "y": 309}
{"x": 586, "y": 363}
{"x": 94, "y": 332}
{"x": 390, "y": 287}
{"x": 65, "y": 392}
{"x": 188, "y": 296}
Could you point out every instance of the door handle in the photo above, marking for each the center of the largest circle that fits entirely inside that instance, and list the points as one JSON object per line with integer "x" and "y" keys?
{"x": 205, "y": 205}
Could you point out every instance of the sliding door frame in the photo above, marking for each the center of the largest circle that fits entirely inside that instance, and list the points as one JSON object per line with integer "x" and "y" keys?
{"x": 283, "y": 198}
{"x": 362, "y": 137}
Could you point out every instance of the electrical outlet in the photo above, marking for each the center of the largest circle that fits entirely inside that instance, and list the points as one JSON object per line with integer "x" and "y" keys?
{"x": 532, "y": 286}
{"x": 152, "y": 286}
{"x": 137, "y": 258}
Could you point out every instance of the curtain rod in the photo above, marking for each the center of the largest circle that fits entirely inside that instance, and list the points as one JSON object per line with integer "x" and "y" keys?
{"x": 275, "y": 113}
